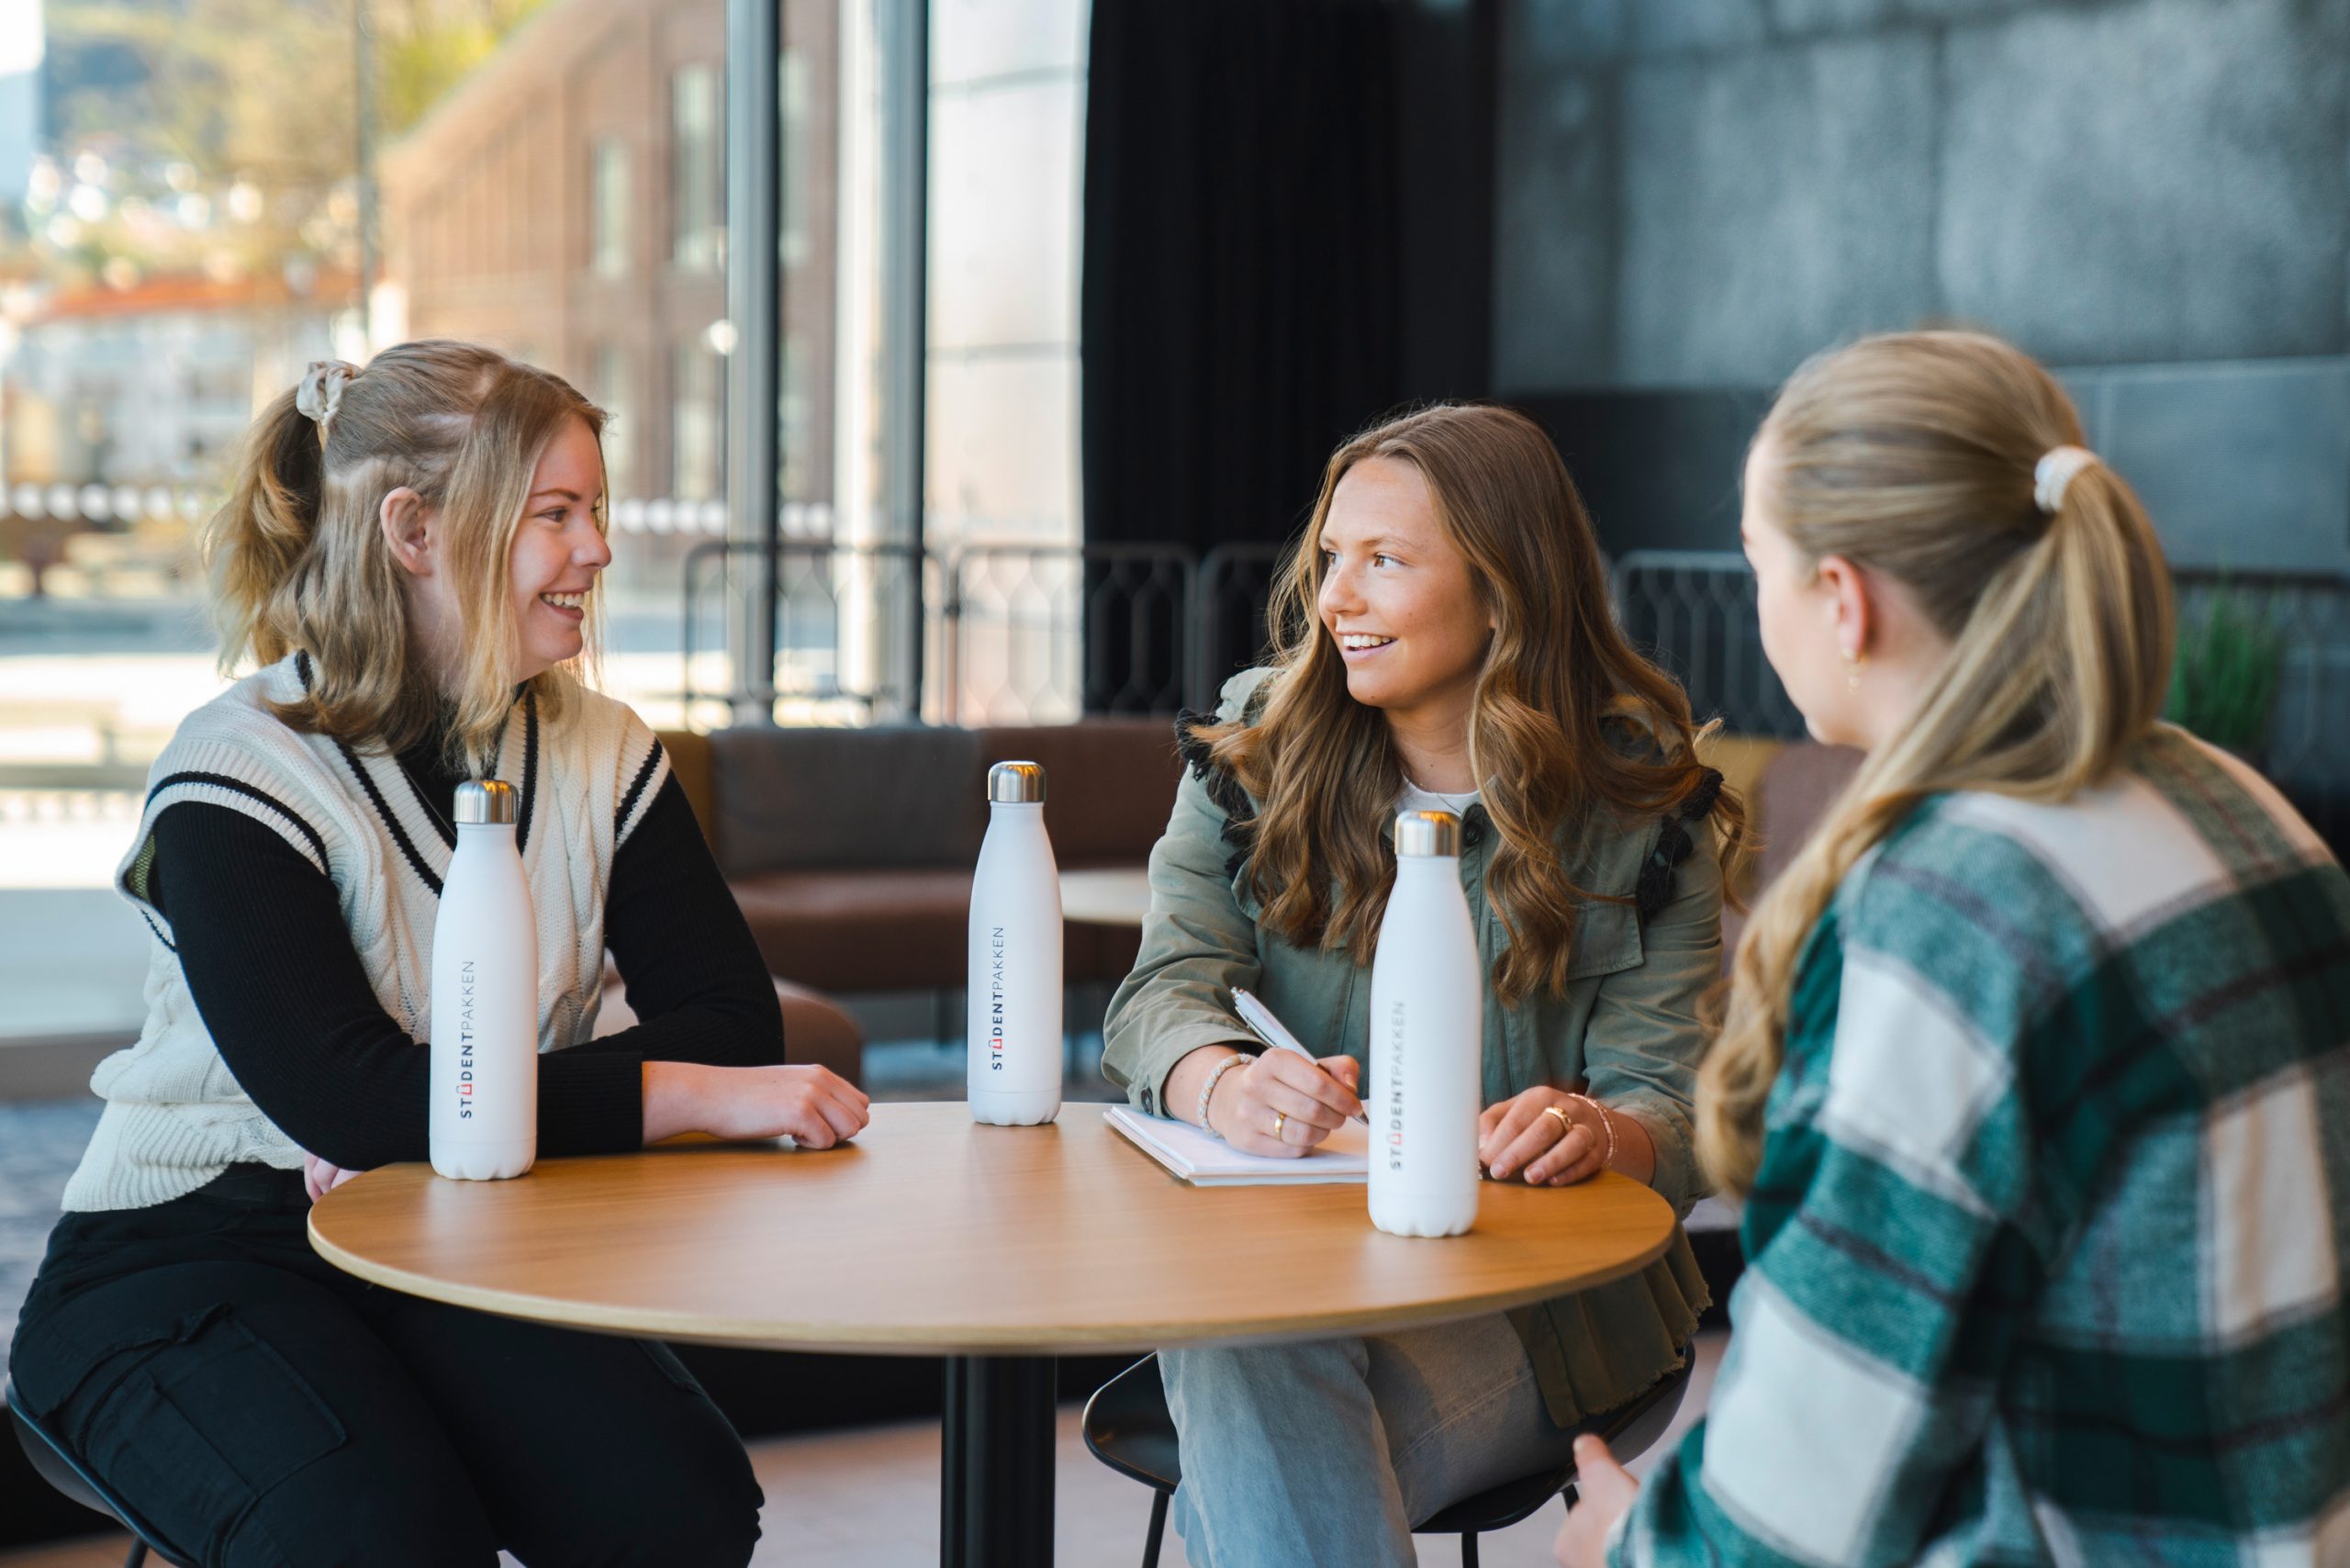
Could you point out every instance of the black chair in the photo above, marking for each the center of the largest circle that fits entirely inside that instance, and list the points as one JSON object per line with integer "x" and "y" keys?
{"x": 1128, "y": 1428}
{"x": 59, "y": 1467}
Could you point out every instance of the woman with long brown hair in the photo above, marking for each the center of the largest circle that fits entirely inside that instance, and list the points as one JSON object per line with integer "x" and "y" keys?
{"x": 1443, "y": 640}
{"x": 410, "y": 554}
{"x": 2034, "y": 1069}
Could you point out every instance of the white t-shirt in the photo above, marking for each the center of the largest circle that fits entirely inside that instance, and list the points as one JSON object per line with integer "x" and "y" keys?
{"x": 1414, "y": 798}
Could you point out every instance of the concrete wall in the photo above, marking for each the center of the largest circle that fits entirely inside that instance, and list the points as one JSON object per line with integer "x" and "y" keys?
{"x": 2243, "y": 465}
{"x": 1700, "y": 191}
{"x": 1692, "y": 194}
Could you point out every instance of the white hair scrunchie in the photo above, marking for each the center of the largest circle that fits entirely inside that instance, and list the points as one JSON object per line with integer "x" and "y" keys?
{"x": 2055, "y": 471}
{"x": 319, "y": 392}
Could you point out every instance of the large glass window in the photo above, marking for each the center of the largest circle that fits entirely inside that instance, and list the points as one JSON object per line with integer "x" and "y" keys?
{"x": 1007, "y": 105}
{"x": 797, "y": 87}
{"x": 614, "y": 389}
{"x": 696, "y": 171}
{"x": 610, "y": 220}
{"x": 795, "y": 422}
{"x": 180, "y": 235}
{"x": 698, "y": 424}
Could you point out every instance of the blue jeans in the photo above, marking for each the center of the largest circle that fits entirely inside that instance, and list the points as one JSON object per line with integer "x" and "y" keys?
{"x": 1330, "y": 1452}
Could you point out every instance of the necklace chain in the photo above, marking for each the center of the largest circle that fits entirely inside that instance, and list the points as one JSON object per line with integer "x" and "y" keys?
{"x": 497, "y": 748}
{"x": 437, "y": 814}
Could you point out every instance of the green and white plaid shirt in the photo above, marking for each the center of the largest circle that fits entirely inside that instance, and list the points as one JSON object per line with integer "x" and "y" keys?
{"x": 2047, "y": 1250}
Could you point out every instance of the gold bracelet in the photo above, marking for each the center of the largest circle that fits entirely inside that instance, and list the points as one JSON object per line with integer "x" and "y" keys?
{"x": 1607, "y": 1160}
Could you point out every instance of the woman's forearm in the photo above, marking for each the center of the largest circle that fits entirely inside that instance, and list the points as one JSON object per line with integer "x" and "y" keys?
{"x": 675, "y": 1098}
{"x": 812, "y": 1106}
{"x": 1179, "y": 1097}
{"x": 1635, "y": 1149}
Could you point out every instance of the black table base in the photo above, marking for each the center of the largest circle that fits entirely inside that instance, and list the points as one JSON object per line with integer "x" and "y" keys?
{"x": 996, "y": 1485}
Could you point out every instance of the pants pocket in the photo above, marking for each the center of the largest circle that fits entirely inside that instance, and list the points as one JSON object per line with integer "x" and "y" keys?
{"x": 200, "y": 1430}
{"x": 665, "y": 1361}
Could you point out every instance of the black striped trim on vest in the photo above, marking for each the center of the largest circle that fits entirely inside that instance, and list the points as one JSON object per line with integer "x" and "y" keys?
{"x": 238, "y": 786}
{"x": 384, "y": 810}
{"x": 529, "y": 768}
{"x": 635, "y": 788}
{"x": 447, "y": 829}
{"x": 169, "y": 945}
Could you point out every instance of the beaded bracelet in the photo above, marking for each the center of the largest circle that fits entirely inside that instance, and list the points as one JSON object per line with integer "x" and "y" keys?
{"x": 1208, "y": 1089}
{"x": 1607, "y": 1160}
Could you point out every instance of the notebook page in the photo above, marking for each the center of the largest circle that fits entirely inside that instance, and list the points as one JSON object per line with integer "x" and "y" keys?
{"x": 1207, "y": 1160}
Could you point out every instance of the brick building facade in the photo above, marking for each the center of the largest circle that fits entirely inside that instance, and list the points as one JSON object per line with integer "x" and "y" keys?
{"x": 567, "y": 204}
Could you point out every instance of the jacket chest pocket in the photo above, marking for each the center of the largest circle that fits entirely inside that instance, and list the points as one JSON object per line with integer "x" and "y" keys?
{"x": 1607, "y": 941}
{"x": 1540, "y": 1041}
{"x": 1244, "y": 896}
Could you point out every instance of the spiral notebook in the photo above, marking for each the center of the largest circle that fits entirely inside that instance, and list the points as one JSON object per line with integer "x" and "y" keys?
{"x": 1207, "y": 1161}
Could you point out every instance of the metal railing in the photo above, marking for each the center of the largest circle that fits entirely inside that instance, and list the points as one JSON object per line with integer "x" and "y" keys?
{"x": 1693, "y": 613}
{"x": 835, "y": 606}
{"x": 1012, "y": 631}
{"x": 1050, "y": 630}
{"x": 1236, "y": 589}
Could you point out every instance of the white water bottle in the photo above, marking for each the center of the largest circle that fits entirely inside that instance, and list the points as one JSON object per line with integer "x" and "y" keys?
{"x": 484, "y": 1122}
{"x": 1426, "y": 1028}
{"x": 1015, "y": 980}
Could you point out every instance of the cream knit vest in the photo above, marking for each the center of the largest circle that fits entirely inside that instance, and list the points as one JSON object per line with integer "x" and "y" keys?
{"x": 175, "y": 1116}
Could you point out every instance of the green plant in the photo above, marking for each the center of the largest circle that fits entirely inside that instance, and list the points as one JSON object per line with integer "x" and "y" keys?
{"x": 2225, "y": 672}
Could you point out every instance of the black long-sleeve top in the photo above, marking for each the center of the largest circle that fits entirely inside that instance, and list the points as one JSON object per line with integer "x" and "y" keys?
{"x": 281, "y": 989}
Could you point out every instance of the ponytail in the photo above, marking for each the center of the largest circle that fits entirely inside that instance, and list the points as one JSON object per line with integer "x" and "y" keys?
{"x": 1919, "y": 456}
{"x": 254, "y": 544}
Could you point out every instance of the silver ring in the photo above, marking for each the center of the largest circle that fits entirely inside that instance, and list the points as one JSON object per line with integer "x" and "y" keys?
{"x": 1281, "y": 1121}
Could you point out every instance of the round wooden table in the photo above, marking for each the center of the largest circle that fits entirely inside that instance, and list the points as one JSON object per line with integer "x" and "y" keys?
{"x": 997, "y": 1247}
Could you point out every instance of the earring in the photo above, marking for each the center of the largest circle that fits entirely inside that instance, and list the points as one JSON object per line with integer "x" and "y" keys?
{"x": 1853, "y": 664}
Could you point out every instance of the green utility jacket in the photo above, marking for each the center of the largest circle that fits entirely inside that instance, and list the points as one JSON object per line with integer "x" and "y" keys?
{"x": 1627, "y": 1023}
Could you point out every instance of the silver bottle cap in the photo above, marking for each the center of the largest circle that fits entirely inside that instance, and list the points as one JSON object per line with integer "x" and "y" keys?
{"x": 490, "y": 800}
{"x": 1428, "y": 834}
{"x": 1016, "y": 783}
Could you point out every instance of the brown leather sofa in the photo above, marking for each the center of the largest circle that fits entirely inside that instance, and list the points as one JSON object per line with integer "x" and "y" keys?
{"x": 851, "y": 850}
{"x": 1786, "y": 786}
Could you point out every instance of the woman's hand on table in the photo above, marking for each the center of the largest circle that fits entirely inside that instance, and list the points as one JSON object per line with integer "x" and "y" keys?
{"x": 1283, "y": 1104}
{"x": 1523, "y": 1134}
{"x": 318, "y": 1178}
{"x": 814, "y": 1105}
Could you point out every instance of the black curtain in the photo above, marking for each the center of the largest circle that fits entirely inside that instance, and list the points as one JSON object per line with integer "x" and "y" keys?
{"x": 1242, "y": 300}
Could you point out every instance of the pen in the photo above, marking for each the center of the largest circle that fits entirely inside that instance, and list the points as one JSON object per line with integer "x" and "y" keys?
{"x": 1271, "y": 1030}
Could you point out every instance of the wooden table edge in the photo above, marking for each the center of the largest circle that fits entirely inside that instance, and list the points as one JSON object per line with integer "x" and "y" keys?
{"x": 763, "y": 1335}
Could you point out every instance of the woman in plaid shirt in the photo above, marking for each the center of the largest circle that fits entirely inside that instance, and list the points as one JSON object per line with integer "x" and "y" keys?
{"x": 2036, "y": 1069}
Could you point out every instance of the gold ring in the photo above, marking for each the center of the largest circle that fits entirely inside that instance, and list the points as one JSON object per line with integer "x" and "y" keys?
{"x": 1280, "y": 1120}
{"x": 1564, "y": 1124}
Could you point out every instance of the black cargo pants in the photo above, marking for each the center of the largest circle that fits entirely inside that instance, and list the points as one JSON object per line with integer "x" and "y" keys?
{"x": 261, "y": 1408}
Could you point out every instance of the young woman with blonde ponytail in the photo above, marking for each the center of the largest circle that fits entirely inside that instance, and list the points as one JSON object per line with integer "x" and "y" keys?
{"x": 2037, "y": 1056}
{"x": 1442, "y": 640}
{"x": 409, "y": 554}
